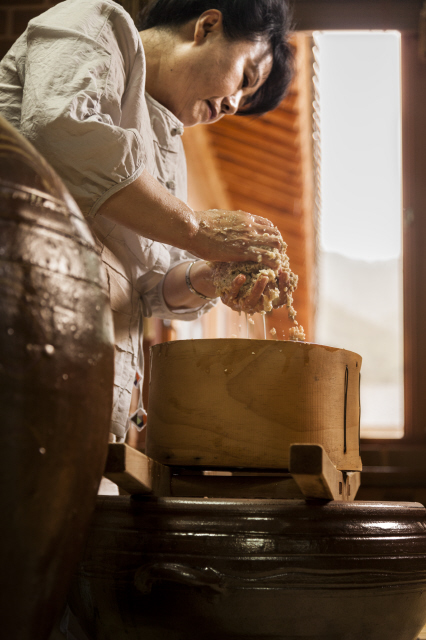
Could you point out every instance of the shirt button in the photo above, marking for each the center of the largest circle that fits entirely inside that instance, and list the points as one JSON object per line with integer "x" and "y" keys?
{"x": 177, "y": 131}
{"x": 171, "y": 184}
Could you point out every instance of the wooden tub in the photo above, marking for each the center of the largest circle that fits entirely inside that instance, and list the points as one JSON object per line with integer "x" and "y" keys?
{"x": 241, "y": 403}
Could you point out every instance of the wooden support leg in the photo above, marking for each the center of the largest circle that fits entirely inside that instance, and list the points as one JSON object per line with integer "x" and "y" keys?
{"x": 317, "y": 477}
{"x": 312, "y": 470}
{"x": 134, "y": 472}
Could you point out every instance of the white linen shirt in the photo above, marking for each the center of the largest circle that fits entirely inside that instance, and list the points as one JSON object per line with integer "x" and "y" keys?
{"x": 74, "y": 85}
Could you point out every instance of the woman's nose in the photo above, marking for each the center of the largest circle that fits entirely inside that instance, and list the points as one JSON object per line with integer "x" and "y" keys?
{"x": 230, "y": 104}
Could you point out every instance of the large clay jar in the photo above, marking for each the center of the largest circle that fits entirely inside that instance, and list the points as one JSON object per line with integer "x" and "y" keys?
{"x": 56, "y": 383}
{"x": 180, "y": 569}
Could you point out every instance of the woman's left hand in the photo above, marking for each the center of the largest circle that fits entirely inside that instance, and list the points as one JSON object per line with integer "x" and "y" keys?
{"x": 253, "y": 303}
{"x": 177, "y": 294}
{"x": 283, "y": 282}
{"x": 250, "y": 304}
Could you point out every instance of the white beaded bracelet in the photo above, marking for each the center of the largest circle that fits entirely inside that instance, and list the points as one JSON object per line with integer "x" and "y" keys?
{"x": 189, "y": 285}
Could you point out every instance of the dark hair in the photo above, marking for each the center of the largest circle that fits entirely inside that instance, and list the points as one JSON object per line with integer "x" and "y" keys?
{"x": 242, "y": 20}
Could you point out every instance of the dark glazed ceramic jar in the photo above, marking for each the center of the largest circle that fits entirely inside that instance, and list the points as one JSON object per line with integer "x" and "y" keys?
{"x": 194, "y": 569}
{"x": 56, "y": 383}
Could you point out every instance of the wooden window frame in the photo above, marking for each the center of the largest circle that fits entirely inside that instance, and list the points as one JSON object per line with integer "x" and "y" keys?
{"x": 406, "y": 17}
{"x": 319, "y": 15}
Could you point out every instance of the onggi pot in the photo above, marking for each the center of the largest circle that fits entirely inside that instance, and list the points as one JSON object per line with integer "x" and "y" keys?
{"x": 56, "y": 383}
{"x": 180, "y": 569}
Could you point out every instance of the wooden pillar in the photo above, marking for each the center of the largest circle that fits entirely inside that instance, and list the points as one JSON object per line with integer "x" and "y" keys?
{"x": 303, "y": 80}
{"x": 414, "y": 204}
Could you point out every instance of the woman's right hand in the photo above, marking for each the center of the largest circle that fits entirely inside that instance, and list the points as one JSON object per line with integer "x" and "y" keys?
{"x": 236, "y": 236}
{"x": 217, "y": 235}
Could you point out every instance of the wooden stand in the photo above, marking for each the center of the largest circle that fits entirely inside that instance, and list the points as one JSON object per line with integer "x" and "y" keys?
{"x": 317, "y": 477}
{"x": 312, "y": 475}
{"x": 134, "y": 472}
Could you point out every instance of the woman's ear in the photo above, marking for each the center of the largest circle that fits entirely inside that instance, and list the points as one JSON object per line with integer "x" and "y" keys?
{"x": 210, "y": 21}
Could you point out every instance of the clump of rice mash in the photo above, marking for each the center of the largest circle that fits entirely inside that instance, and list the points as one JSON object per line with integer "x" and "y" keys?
{"x": 224, "y": 273}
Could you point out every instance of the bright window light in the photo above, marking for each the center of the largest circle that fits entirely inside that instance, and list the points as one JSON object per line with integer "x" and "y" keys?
{"x": 360, "y": 269}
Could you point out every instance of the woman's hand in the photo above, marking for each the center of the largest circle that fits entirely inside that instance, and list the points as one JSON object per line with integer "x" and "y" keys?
{"x": 148, "y": 209}
{"x": 235, "y": 236}
{"x": 253, "y": 303}
{"x": 283, "y": 281}
{"x": 178, "y": 296}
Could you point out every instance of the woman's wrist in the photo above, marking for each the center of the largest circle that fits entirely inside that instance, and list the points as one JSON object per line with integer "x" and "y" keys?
{"x": 201, "y": 279}
{"x": 176, "y": 293}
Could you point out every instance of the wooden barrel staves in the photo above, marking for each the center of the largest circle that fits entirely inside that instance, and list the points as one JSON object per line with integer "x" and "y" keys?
{"x": 242, "y": 403}
{"x": 56, "y": 383}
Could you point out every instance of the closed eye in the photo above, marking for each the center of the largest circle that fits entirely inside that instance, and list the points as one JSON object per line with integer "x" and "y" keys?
{"x": 245, "y": 81}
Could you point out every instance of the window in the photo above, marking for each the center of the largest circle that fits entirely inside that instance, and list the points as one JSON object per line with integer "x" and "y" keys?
{"x": 358, "y": 102}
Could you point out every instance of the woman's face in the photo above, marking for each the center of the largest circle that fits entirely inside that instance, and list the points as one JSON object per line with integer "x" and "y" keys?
{"x": 212, "y": 76}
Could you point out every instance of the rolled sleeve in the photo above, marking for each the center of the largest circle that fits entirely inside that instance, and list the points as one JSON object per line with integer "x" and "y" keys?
{"x": 154, "y": 303}
{"x": 71, "y": 112}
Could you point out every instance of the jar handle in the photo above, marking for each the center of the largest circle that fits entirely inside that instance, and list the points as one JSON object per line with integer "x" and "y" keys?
{"x": 149, "y": 574}
{"x": 213, "y": 579}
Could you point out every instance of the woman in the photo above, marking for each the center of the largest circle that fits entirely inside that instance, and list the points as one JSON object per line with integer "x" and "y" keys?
{"x": 106, "y": 106}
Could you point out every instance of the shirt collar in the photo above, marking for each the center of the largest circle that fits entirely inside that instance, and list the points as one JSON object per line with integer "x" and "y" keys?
{"x": 165, "y": 124}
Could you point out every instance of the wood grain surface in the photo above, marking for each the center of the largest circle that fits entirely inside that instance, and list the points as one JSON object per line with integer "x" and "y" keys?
{"x": 312, "y": 15}
{"x": 242, "y": 403}
{"x": 317, "y": 477}
{"x": 135, "y": 472}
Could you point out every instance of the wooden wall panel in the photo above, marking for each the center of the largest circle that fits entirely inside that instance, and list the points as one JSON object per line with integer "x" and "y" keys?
{"x": 206, "y": 189}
